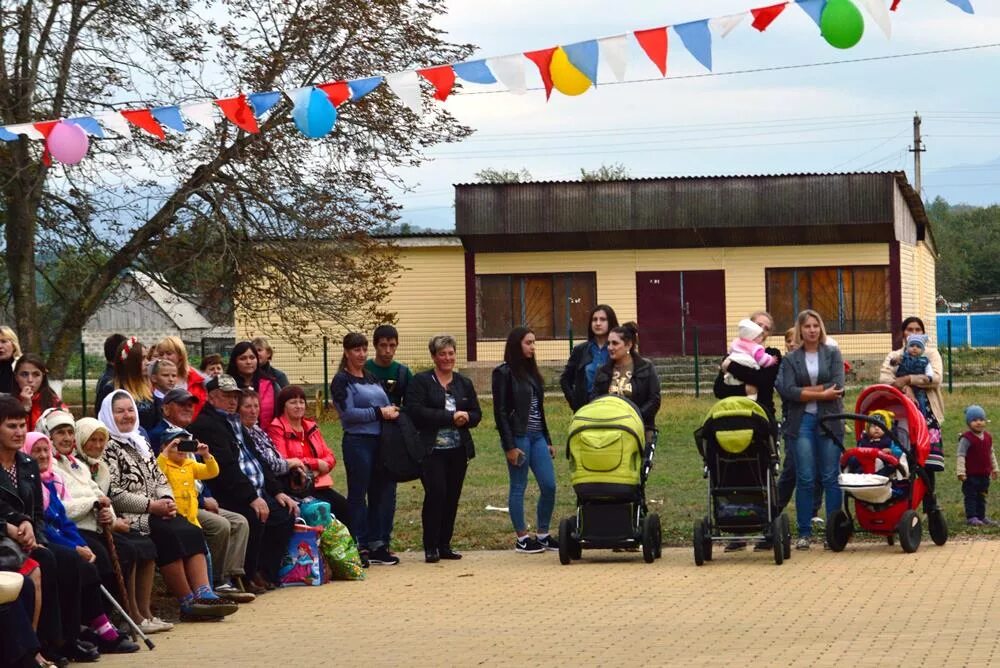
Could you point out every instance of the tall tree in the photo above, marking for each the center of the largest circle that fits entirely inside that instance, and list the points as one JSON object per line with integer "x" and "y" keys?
{"x": 273, "y": 219}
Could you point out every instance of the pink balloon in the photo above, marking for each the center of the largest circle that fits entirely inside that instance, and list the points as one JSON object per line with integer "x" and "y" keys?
{"x": 68, "y": 143}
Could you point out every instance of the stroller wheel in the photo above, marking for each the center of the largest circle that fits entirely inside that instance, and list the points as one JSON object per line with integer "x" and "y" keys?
{"x": 707, "y": 524}
{"x": 566, "y": 541}
{"x": 786, "y": 536}
{"x": 776, "y": 543}
{"x": 937, "y": 527}
{"x": 910, "y": 531}
{"x": 838, "y": 530}
{"x": 650, "y": 529}
{"x": 699, "y": 543}
{"x": 658, "y": 540}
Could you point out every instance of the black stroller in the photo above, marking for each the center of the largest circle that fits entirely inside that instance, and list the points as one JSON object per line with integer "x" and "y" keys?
{"x": 740, "y": 457}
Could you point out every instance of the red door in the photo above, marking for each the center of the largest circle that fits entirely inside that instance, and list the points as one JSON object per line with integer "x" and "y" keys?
{"x": 658, "y": 296}
{"x": 675, "y": 307}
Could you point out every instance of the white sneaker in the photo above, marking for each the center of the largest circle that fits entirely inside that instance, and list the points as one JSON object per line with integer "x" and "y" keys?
{"x": 155, "y": 625}
{"x": 818, "y": 522}
{"x": 802, "y": 544}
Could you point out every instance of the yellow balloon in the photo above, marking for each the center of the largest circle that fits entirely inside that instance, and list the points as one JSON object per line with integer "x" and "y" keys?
{"x": 567, "y": 79}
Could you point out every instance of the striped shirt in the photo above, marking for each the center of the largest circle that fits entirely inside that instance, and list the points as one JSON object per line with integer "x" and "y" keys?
{"x": 535, "y": 413}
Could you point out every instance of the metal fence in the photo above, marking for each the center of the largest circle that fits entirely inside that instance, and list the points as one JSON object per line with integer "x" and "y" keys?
{"x": 969, "y": 355}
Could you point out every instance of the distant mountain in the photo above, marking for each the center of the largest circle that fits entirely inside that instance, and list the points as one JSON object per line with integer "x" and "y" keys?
{"x": 976, "y": 184}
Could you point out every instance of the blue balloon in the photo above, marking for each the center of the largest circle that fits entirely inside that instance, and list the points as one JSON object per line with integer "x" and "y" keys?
{"x": 313, "y": 113}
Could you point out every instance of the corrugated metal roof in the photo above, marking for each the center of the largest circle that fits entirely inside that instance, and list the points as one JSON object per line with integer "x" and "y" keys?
{"x": 693, "y": 177}
{"x": 682, "y": 211}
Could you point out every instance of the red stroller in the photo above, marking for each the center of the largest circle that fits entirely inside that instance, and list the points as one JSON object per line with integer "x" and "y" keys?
{"x": 889, "y": 492}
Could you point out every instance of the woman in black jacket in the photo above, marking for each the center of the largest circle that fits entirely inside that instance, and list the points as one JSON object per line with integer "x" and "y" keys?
{"x": 519, "y": 412}
{"x": 577, "y": 379}
{"x": 443, "y": 406}
{"x": 630, "y": 376}
{"x": 65, "y": 575}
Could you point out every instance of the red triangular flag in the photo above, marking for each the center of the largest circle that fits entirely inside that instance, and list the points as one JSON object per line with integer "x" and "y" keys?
{"x": 543, "y": 59}
{"x": 143, "y": 119}
{"x": 895, "y": 3}
{"x": 763, "y": 16}
{"x": 338, "y": 92}
{"x": 654, "y": 43}
{"x": 45, "y": 127}
{"x": 239, "y": 112}
{"x": 442, "y": 78}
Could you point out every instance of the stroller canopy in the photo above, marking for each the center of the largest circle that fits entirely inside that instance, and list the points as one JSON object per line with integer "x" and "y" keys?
{"x": 735, "y": 441}
{"x": 910, "y": 425}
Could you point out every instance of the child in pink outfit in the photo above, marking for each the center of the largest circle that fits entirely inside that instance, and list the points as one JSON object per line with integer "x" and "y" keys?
{"x": 746, "y": 350}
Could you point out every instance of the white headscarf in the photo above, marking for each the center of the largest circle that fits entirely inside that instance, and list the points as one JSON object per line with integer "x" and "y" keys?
{"x": 134, "y": 437}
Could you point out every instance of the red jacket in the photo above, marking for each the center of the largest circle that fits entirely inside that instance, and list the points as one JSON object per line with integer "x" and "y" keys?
{"x": 309, "y": 447}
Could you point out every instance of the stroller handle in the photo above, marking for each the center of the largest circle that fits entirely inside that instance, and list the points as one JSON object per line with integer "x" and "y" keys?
{"x": 865, "y": 418}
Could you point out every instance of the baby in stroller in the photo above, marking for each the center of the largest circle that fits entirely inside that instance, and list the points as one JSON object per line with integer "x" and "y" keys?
{"x": 885, "y": 458}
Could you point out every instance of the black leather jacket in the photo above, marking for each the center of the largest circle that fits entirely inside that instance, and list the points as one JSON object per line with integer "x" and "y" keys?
{"x": 645, "y": 388}
{"x": 425, "y": 404}
{"x": 511, "y": 403}
{"x": 573, "y": 380}
{"x": 25, "y": 502}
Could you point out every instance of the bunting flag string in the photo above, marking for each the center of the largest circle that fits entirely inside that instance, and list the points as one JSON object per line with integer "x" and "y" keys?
{"x": 572, "y": 69}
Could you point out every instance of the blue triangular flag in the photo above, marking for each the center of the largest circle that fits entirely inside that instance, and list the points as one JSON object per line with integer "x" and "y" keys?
{"x": 697, "y": 39}
{"x": 474, "y": 71}
{"x": 262, "y": 102}
{"x": 361, "y": 87}
{"x": 169, "y": 116}
{"x": 814, "y": 8}
{"x": 583, "y": 56}
{"x": 964, "y": 5}
{"x": 89, "y": 125}
{"x": 6, "y": 135}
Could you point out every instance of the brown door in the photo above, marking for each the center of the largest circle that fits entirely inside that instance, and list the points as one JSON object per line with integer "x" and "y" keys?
{"x": 674, "y": 307}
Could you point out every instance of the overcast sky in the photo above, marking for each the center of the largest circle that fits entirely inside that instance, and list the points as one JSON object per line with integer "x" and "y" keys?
{"x": 841, "y": 117}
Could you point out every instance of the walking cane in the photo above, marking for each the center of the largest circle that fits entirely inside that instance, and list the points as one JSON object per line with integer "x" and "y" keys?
{"x": 117, "y": 568}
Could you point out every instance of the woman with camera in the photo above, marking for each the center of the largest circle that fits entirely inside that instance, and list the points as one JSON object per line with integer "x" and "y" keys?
{"x": 299, "y": 441}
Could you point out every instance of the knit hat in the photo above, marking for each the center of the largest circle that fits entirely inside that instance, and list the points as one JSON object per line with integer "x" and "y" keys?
{"x": 917, "y": 340}
{"x": 749, "y": 330}
{"x": 974, "y": 412}
{"x": 53, "y": 418}
{"x": 883, "y": 416}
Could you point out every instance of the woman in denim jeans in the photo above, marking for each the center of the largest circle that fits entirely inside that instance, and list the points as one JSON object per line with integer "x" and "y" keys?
{"x": 363, "y": 405}
{"x": 811, "y": 385}
{"x": 519, "y": 412}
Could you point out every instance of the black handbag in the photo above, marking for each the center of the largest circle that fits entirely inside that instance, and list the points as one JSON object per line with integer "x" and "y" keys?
{"x": 11, "y": 555}
{"x": 300, "y": 482}
{"x": 400, "y": 449}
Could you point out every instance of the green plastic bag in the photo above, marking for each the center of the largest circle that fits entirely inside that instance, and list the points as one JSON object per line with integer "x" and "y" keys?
{"x": 340, "y": 552}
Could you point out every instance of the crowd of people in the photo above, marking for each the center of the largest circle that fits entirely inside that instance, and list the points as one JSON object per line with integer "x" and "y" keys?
{"x": 200, "y": 474}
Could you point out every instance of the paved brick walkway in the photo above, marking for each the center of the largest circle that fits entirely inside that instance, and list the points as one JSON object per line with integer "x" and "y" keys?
{"x": 870, "y": 605}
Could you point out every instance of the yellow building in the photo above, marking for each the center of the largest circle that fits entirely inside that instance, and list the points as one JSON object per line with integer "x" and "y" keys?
{"x": 686, "y": 258}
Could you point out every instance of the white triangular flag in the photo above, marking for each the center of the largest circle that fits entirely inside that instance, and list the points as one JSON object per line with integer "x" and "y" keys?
{"x": 26, "y": 129}
{"x": 880, "y": 13}
{"x": 726, "y": 24}
{"x": 510, "y": 71}
{"x": 615, "y": 52}
{"x": 205, "y": 114}
{"x": 115, "y": 122}
{"x": 406, "y": 86}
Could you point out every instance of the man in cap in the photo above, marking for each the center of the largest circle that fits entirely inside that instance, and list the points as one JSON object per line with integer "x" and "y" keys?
{"x": 225, "y": 532}
{"x": 244, "y": 485}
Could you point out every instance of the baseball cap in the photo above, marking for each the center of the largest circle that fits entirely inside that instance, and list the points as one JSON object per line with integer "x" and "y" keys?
{"x": 223, "y": 382}
{"x": 180, "y": 396}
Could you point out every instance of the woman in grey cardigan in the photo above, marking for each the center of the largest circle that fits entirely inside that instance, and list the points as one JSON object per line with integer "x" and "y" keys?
{"x": 811, "y": 385}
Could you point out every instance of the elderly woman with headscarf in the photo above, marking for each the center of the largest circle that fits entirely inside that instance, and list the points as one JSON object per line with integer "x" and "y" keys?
{"x": 87, "y": 504}
{"x": 140, "y": 492}
{"x": 59, "y": 529}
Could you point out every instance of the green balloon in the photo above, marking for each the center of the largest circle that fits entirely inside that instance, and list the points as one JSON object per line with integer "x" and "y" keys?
{"x": 842, "y": 24}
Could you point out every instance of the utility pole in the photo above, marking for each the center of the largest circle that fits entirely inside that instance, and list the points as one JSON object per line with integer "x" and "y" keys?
{"x": 916, "y": 150}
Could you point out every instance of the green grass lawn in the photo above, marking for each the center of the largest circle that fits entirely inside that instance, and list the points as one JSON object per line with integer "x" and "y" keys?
{"x": 675, "y": 490}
